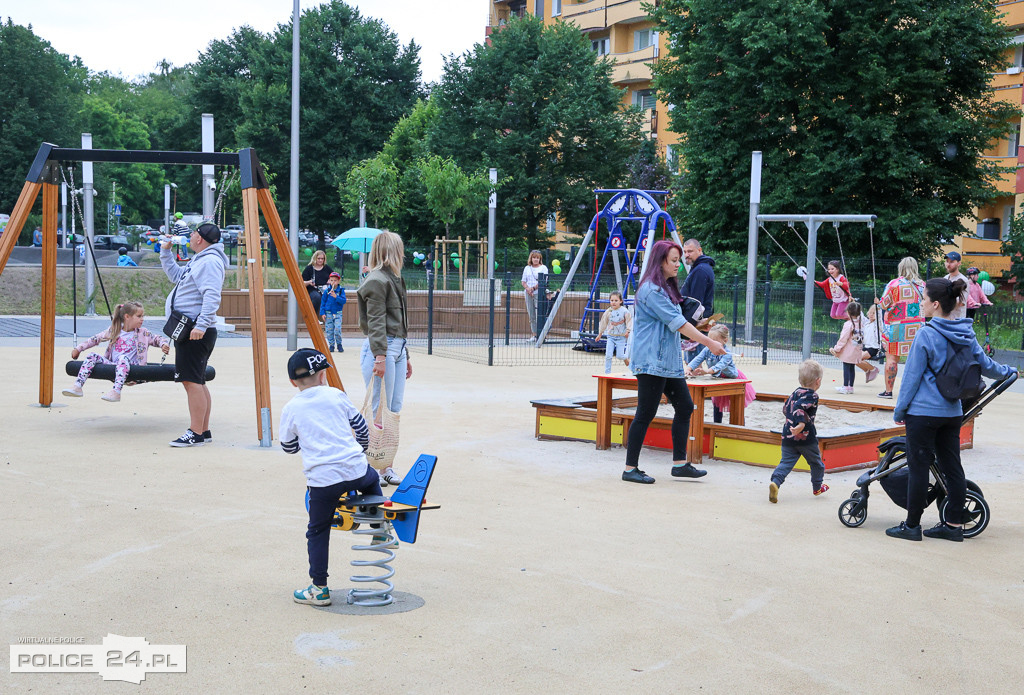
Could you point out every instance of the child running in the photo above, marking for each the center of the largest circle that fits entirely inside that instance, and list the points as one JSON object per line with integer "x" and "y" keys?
{"x": 799, "y": 437}
{"x": 331, "y": 304}
{"x": 837, "y": 288}
{"x": 850, "y": 349}
{"x": 616, "y": 323}
{"x": 322, "y": 422}
{"x": 129, "y": 344}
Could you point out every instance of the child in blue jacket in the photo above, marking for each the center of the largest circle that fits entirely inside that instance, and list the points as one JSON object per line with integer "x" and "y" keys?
{"x": 932, "y": 420}
{"x": 331, "y": 304}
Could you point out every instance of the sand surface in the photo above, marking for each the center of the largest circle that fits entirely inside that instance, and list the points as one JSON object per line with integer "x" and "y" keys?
{"x": 542, "y": 572}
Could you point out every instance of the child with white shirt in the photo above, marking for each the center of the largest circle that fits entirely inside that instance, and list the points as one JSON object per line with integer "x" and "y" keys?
{"x": 616, "y": 323}
{"x": 322, "y": 422}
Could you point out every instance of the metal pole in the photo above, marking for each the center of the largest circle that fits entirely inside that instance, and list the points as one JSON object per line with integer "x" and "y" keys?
{"x": 492, "y": 204}
{"x": 812, "y": 251}
{"x": 362, "y": 254}
{"x": 430, "y": 304}
{"x": 90, "y": 224}
{"x": 752, "y": 229}
{"x": 208, "y": 181}
{"x": 508, "y": 301}
{"x": 735, "y": 305}
{"x": 767, "y": 306}
{"x": 490, "y": 325}
{"x": 167, "y": 208}
{"x": 64, "y": 212}
{"x": 293, "y": 187}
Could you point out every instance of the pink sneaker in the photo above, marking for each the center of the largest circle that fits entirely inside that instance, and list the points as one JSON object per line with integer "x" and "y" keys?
{"x": 872, "y": 375}
{"x": 75, "y": 391}
{"x": 112, "y": 396}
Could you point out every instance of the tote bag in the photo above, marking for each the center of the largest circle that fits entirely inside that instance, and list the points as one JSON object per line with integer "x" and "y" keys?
{"x": 384, "y": 437}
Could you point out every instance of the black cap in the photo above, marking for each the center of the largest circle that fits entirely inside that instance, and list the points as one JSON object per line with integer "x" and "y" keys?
{"x": 306, "y": 362}
{"x": 122, "y": 250}
{"x": 209, "y": 231}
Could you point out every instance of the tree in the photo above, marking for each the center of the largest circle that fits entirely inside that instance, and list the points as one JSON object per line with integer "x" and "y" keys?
{"x": 357, "y": 81}
{"x": 447, "y": 187}
{"x": 374, "y": 183}
{"x": 537, "y": 104}
{"x": 859, "y": 106}
{"x": 42, "y": 93}
{"x": 646, "y": 169}
{"x": 1013, "y": 246}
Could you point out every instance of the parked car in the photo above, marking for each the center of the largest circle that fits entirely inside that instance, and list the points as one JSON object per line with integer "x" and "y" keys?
{"x": 229, "y": 235}
{"x": 111, "y": 242}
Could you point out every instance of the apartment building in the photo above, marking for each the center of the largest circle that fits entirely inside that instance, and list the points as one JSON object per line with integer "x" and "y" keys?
{"x": 618, "y": 29}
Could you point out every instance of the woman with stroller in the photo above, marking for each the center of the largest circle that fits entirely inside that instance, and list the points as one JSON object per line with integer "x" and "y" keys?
{"x": 933, "y": 421}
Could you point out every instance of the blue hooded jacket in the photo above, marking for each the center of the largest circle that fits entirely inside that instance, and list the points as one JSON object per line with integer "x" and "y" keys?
{"x": 332, "y": 305}
{"x": 918, "y": 393}
{"x": 700, "y": 283}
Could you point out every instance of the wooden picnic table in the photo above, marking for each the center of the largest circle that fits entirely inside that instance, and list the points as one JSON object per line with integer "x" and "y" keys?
{"x": 700, "y": 389}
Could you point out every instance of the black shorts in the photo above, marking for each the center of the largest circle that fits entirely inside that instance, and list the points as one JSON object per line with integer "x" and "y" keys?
{"x": 191, "y": 356}
{"x": 873, "y": 352}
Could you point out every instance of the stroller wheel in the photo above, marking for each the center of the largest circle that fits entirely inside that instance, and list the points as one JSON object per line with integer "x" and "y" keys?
{"x": 975, "y": 515}
{"x": 853, "y": 512}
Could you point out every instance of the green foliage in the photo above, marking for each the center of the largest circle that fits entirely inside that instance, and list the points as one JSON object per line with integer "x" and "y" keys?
{"x": 1013, "y": 246}
{"x": 538, "y": 105}
{"x": 374, "y": 182}
{"x": 42, "y": 93}
{"x": 446, "y": 188}
{"x": 853, "y": 104}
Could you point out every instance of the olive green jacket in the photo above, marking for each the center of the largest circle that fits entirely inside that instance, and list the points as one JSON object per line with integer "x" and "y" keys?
{"x": 382, "y": 309}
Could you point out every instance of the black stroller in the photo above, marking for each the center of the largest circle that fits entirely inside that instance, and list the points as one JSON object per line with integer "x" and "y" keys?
{"x": 892, "y": 473}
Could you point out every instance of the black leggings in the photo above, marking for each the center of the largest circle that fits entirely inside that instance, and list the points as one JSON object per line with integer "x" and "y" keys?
{"x": 849, "y": 372}
{"x": 649, "y": 390}
{"x": 934, "y": 439}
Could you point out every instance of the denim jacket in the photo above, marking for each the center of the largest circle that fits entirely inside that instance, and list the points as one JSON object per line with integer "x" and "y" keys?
{"x": 719, "y": 365}
{"x": 655, "y": 346}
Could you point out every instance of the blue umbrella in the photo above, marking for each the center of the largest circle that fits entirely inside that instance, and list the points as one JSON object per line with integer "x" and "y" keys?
{"x": 357, "y": 239}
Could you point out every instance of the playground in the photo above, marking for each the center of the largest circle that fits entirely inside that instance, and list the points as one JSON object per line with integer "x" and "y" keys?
{"x": 541, "y": 570}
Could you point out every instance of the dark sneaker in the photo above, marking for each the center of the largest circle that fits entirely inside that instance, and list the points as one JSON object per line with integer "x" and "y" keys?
{"x": 637, "y": 476}
{"x": 190, "y": 438}
{"x": 687, "y": 471}
{"x": 341, "y": 349}
{"x": 885, "y": 394}
{"x": 907, "y": 533}
{"x": 207, "y": 437}
{"x": 946, "y": 532}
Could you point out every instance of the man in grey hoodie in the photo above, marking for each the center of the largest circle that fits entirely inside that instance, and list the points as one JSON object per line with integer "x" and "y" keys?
{"x": 196, "y": 294}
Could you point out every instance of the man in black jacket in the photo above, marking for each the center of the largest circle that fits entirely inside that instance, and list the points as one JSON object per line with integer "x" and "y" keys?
{"x": 700, "y": 281}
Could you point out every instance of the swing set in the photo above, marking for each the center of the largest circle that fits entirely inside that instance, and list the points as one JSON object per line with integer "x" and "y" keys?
{"x": 813, "y": 223}
{"x": 45, "y": 176}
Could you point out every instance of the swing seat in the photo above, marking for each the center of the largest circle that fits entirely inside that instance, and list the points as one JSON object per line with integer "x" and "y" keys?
{"x": 588, "y": 343}
{"x": 138, "y": 373}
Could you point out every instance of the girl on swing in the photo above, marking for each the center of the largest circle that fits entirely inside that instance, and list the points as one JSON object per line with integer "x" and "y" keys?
{"x": 129, "y": 344}
{"x": 838, "y": 288}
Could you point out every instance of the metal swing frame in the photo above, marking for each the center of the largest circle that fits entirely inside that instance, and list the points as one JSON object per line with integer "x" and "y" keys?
{"x": 44, "y": 176}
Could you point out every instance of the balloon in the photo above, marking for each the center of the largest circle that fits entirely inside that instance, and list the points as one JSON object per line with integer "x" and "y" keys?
{"x": 557, "y": 270}
{"x": 416, "y": 260}
{"x": 437, "y": 264}
{"x": 987, "y": 287}
{"x": 457, "y": 262}
{"x": 454, "y": 254}
{"x": 802, "y": 272}
{"x": 983, "y": 275}
{"x": 555, "y": 263}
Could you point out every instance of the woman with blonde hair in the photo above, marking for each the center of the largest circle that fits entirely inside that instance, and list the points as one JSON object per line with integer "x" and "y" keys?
{"x": 534, "y": 268}
{"x": 901, "y": 318}
{"x": 383, "y": 317}
{"x": 315, "y": 276}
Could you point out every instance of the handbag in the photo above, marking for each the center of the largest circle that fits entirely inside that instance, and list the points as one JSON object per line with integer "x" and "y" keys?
{"x": 383, "y": 444}
{"x": 178, "y": 326}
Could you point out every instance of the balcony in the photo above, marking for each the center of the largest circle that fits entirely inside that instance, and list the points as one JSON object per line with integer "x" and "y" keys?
{"x": 1009, "y": 94}
{"x": 1005, "y": 183}
{"x": 587, "y": 16}
{"x": 1007, "y": 80}
{"x": 633, "y": 66}
{"x": 1013, "y": 12}
{"x": 628, "y": 12}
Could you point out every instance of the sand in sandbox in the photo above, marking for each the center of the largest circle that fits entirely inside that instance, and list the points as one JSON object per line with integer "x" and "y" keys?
{"x": 767, "y": 416}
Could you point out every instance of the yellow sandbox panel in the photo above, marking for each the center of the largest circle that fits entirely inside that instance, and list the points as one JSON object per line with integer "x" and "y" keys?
{"x": 757, "y": 453}
{"x": 575, "y": 429}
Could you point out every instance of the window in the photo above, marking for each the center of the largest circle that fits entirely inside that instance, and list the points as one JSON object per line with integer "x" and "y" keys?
{"x": 556, "y": 8}
{"x": 551, "y": 223}
{"x": 1013, "y": 142}
{"x": 672, "y": 158}
{"x": 1007, "y": 219}
{"x": 538, "y": 8}
{"x": 600, "y": 46}
{"x": 644, "y": 38}
{"x": 644, "y": 98}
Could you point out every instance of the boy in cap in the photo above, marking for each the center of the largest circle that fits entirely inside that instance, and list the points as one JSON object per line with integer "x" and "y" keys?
{"x": 953, "y": 261}
{"x": 322, "y": 422}
{"x": 331, "y": 304}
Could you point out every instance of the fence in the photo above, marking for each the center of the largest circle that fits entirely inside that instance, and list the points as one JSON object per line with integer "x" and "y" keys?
{"x": 465, "y": 324}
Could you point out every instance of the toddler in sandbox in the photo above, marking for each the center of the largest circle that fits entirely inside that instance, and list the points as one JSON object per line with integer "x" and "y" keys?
{"x": 799, "y": 436}
{"x": 720, "y": 366}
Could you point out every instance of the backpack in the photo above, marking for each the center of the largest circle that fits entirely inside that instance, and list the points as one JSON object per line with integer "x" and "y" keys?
{"x": 960, "y": 377}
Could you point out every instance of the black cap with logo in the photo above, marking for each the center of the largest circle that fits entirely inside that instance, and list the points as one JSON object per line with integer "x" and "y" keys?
{"x": 306, "y": 362}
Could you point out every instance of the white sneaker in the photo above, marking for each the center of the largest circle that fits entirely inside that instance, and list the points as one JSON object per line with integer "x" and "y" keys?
{"x": 390, "y": 477}
{"x": 840, "y": 389}
{"x": 112, "y": 396}
{"x": 75, "y": 391}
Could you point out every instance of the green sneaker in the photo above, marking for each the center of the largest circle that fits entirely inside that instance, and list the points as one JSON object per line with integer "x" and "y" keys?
{"x": 313, "y": 595}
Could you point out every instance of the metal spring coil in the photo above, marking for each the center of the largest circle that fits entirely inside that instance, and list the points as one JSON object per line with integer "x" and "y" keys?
{"x": 380, "y": 596}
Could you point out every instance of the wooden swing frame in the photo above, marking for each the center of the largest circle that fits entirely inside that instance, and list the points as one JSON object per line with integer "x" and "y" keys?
{"x": 44, "y": 175}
